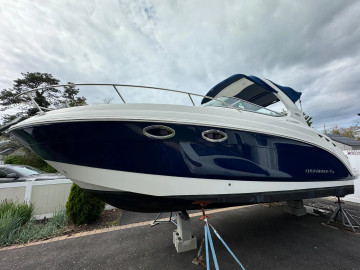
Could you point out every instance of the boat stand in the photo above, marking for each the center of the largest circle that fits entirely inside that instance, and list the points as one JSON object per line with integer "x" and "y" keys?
{"x": 183, "y": 238}
{"x": 208, "y": 242}
{"x": 170, "y": 220}
{"x": 295, "y": 208}
{"x": 346, "y": 217}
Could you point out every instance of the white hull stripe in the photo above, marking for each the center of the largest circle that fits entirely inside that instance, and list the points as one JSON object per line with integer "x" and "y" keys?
{"x": 160, "y": 185}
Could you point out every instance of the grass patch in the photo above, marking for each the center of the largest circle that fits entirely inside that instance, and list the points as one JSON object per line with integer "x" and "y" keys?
{"x": 12, "y": 218}
{"x": 53, "y": 227}
{"x": 9, "y": 229}
{"x": 21, "y": 210}
{"x": 16, "y": 225}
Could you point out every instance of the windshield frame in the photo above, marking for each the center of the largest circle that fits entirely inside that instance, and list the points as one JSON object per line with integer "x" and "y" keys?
{"x": 231, "y": 106}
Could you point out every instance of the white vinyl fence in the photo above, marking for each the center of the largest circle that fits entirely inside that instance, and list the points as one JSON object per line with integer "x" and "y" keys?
{"x": 47, "y": 195}
{"x": 354, "y": 159}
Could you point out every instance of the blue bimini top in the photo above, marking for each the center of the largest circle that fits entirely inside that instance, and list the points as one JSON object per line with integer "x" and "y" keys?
{"x": 250, "y": 88}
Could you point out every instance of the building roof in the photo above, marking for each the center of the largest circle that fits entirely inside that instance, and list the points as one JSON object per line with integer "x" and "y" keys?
{"x": 343, "y": 139}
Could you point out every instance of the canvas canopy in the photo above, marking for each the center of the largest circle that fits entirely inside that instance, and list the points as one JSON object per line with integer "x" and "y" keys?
{"x": 250, "y": 88}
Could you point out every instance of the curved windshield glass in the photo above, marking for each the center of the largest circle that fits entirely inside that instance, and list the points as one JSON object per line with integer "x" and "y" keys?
{"x": 239, "y": 104}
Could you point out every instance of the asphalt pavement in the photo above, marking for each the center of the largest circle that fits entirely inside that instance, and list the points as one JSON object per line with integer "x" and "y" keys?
{"x": 261, "y": 238}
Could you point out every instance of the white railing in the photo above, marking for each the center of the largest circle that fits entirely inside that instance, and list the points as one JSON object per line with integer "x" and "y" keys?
{"x": 115, "y": 87}
{"x": 258, "y": 109}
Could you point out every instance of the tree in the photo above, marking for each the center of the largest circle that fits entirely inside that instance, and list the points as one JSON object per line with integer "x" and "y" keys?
{"x": 350, "y": 132}
{"x": 70, "y": 98}
{"x": 31, "y": 80}
{"x": 82, "y": 207}
{"x": 49, "y": 97}
{"x": 105, "y": 101}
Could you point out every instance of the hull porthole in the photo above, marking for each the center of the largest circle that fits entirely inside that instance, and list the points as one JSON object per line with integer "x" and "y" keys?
{"x": 159, "y": 132}
{"x": 214, "y": 135}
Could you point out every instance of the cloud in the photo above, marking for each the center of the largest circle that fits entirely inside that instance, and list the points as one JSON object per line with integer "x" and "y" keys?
{"x": 191, "y": 46}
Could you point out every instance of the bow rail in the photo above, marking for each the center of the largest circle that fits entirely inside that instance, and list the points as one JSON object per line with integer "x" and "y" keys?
{"x": 115, "y": 86}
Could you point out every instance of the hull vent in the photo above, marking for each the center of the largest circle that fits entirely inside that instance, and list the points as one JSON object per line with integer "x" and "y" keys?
{"x": 159, "y": 132}
{"x": 214, "y": 135}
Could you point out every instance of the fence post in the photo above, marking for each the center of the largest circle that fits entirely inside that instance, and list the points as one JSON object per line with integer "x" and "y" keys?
{"x": 28, "y": 191}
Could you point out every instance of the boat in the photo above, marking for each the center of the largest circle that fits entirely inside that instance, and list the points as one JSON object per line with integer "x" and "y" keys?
{"x": 231, "y": 150}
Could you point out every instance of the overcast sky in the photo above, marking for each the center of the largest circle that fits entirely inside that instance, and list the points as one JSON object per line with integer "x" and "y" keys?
{"x": 312, "y": 46}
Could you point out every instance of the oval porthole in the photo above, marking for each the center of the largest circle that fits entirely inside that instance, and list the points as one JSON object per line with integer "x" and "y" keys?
{"x": 159, "y": 132}
{"x": 214, "y": 135}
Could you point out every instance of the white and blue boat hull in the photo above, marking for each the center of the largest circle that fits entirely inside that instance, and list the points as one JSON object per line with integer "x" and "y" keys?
{"x": 104, "y": 149}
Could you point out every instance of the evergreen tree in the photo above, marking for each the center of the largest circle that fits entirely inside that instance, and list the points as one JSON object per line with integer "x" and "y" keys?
{"x": 48, "y": 97}
{"x": 82, "y": 207}
{"x": 31, "y": 80}
{"x": 70, "y": 98}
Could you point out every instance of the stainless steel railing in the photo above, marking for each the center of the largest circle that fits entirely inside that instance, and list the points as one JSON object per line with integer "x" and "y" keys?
{"x": 115, "y": 86}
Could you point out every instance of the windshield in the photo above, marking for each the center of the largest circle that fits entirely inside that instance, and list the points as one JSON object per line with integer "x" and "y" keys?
{"x": 239, "y": 104}
{"x": 26, "y": 170}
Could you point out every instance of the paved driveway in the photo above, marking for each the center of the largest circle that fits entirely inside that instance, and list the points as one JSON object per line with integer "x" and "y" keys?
{"x": 261, "y": 237}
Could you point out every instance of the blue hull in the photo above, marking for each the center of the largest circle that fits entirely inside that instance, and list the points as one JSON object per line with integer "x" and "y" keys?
{"x": 244, "y": 155}
{"x": 123, "y": 146}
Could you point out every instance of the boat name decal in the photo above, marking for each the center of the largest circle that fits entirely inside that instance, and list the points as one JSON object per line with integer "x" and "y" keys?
{"x": 319, "y": 171}
{"x": 292, "y": 121}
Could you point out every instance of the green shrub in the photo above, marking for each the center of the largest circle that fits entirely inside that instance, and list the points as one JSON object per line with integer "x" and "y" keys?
{"x": 30, "y": 159}
{"x": 21, "y": 210}
{"x": 82, "y": 207}
{"x": 14, "y": 160}
{"x": 12, "y": 218}
{"x": 47, "y": 168}
{"x": 9, "y": 228}
{"x": 17, "y": 227}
